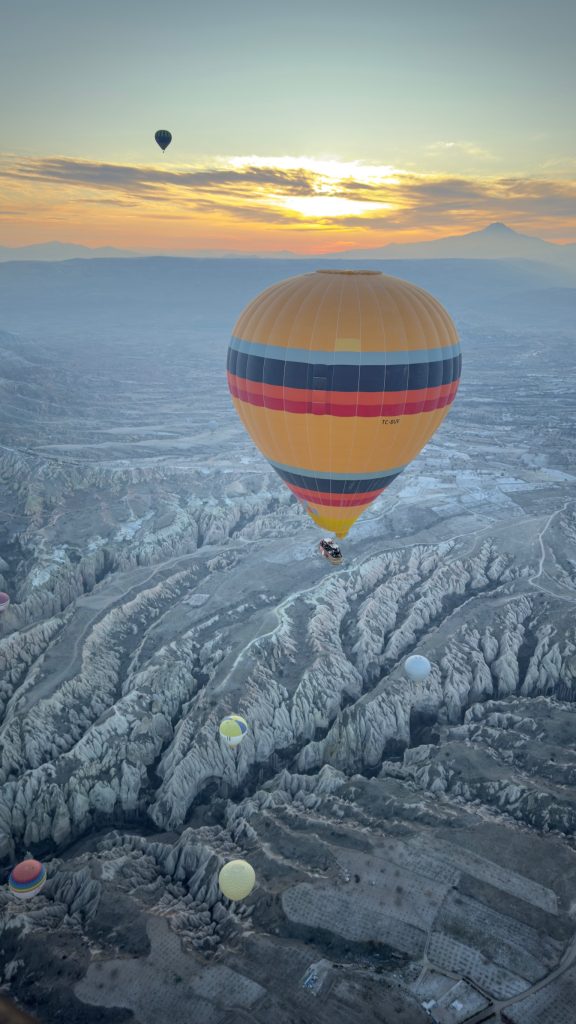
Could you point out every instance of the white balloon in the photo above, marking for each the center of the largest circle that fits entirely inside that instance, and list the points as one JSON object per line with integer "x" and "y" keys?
{"x": 237, "y": 879}
{"x": 417, "y": 667}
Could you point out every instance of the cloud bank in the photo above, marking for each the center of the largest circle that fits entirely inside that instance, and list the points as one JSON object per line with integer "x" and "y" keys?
{"x": 297, "y": 196}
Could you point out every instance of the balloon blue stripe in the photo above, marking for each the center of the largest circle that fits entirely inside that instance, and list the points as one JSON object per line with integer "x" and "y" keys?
{"x": 297, "y": 470}
{"x": 310, "y": 376}
{"x": 315, "y": 356}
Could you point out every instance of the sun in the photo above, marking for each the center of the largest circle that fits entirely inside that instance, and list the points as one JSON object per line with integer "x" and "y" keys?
{"x": 319, "y": 206}
{"x": 328, "y": 181}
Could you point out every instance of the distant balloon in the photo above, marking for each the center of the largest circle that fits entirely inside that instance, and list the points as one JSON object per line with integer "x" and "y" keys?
{"x": 417, "y": 667}
{"x": 4, "y": 601}
{"x": 233, "y": 729}
{"x": 27, "y": 879}
{"x": 237, "y": 879}
{"x": 163, "y": 138}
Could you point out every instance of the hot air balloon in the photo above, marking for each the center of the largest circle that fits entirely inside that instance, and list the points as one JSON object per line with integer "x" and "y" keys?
{"x": 341, "y": 377}
{"x": 417, "y": 667}
{"x": 27, "y": 879}
{"x": 236, "y": 879}
{"x": 163, "y": 138}
{"x": 4, "y": 601}
{"x": 233, "y": 729}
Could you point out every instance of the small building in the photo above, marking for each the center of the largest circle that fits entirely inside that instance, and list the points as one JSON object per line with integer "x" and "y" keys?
{"x": 456, "y": 1005}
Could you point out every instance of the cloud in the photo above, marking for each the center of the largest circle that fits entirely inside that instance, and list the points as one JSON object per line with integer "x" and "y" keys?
{"x": 144, "y": 180}
{"x": 257, "y": 190}
{"x": 458, "y": 148}
{"x": 246, "y": 212}
{"x": 123, "y": 202}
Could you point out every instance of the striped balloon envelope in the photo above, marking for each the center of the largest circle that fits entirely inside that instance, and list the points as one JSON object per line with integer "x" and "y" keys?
{"x": 27, "y": 879}
{"x": 341, "y": 377}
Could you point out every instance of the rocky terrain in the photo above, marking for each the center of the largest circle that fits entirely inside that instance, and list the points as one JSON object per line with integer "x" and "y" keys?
{"x": 414, "y": 843}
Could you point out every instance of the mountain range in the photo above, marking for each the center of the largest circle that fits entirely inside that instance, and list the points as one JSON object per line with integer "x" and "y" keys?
{"x": 496, "y": 241}
{"x": 58, "y": 251}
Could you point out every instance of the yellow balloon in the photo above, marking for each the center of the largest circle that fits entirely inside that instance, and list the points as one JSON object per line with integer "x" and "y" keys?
{"x": 341, "y": 377}
{"x": 237, "y": 879}
{"x": 233, "y": 729}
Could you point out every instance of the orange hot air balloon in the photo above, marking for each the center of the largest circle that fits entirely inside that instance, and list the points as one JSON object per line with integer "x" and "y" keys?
{"x": 341, "y": 377}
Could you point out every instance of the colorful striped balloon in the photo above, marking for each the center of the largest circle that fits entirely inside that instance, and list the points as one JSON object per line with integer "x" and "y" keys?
{"x": 233, "y": 729}
{"x": 27, "y": 879}
{"x": 341, "y": 377}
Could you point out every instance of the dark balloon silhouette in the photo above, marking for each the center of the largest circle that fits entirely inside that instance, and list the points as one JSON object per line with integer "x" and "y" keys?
{"x": 163, "y": 138}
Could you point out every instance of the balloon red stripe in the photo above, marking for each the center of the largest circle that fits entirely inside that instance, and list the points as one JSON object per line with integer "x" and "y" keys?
{"x": 315, "y": 498}
{"x": 342, "y": 397}
{"x": 322, "y": 402}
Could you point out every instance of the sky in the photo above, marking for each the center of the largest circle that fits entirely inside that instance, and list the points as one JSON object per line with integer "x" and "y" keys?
{"x": 305, "y": 125}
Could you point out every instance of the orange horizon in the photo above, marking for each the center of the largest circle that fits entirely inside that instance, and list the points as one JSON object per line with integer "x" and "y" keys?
{"x": 306, "y": 206}
{"x": 259, "y": 242}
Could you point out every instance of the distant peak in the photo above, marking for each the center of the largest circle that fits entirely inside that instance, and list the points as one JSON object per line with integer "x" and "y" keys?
{"x": 499, "y": 227}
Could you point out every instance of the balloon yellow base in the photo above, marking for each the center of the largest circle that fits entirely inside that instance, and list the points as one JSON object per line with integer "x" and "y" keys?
{"x": 336, "y": 521}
